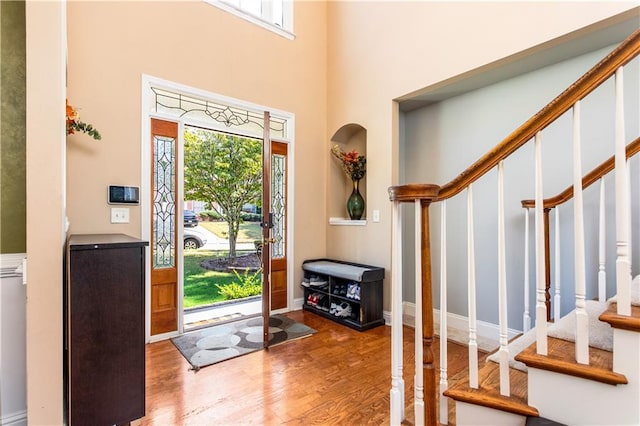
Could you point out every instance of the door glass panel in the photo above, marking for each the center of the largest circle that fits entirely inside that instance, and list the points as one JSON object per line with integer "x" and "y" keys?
{"x": 278, "y": 193}
{"x": 164, "y": 178}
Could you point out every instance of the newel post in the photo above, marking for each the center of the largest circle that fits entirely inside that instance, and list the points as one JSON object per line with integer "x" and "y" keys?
{"x": 425, "y": 402}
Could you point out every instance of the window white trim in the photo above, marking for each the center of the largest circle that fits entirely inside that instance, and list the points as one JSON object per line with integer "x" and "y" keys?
{"x": 285, "y": 31}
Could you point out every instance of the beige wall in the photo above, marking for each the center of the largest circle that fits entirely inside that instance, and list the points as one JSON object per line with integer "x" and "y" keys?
{"x": 379, "y": 51}
{"x": 46, "y": 39}
{"x": 111, "y": 44}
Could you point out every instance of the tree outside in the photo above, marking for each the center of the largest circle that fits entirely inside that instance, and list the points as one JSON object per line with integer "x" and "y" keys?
{"x": 225, "y": 171}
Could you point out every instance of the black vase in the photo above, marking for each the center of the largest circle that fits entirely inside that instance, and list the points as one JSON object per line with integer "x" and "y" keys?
{"x": 355, "y": 203}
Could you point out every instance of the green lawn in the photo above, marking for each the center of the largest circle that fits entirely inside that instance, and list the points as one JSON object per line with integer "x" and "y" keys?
{"x": 249, "y": 231}
{"x": 199, "y": 283}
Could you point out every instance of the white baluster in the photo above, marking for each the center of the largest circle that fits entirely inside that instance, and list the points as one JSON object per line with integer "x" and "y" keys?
{"x": 556, "y": 297}
{"x": 444, "y": 384}
{"x": 582, "y": 326}
{"x": 623, "y": 264}
{"x": 629, "y": 237}
{"x": 419, "y": 378}
{"x": 397, "y": 382}
{"x": 602, "y": 235}
{"x": 471, "y": 274}
{"x": 526, "y": 316}
{"x": 502, "y": 288}
{"x": 541, "y": 308}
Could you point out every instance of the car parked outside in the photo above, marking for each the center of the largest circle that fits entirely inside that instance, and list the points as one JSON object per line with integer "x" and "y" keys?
{"x": 193, "y": 239}
{"x": 190, "y": 219}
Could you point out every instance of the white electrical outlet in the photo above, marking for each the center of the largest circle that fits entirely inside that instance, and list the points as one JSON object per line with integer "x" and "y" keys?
{"x": 376, "y": 215}
{"x": 119, "y": 215}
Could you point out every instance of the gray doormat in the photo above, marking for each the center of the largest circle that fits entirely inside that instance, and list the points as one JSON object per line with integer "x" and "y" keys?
{"x": 221, "y": 342}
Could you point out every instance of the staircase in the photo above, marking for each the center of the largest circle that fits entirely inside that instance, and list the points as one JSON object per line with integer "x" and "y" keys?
{"x": 581, "y": 368}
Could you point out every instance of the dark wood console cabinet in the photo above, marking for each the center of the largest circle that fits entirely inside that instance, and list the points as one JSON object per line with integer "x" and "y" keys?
{"x": 326, "y": 283}
{"x": 104, "y": 329}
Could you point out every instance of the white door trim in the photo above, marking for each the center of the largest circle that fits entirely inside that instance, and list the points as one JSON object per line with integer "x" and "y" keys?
{"x": 146, "y": 95}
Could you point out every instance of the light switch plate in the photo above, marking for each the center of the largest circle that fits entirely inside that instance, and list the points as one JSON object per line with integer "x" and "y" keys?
{"x": 119, "y": 215}
{"x": 376, "y": 215}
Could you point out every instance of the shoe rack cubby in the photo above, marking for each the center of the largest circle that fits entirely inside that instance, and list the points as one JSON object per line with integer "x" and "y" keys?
{"x": 345, "y": 292}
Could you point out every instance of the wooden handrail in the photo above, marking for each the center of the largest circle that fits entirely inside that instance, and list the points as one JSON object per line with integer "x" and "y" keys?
{"x": 412, "y": 192}
{"x": 632, "y": 149}
{"x": 620, "y": 56}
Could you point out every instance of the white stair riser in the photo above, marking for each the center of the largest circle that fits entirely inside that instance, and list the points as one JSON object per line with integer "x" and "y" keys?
{"x": 576, "y": 401}
{"x": 626, "y": 353}
{"x": 476, "y": 415}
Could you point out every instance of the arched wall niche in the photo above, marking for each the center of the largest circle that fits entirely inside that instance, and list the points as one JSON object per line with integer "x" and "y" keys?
{"x": 350, "y": 137}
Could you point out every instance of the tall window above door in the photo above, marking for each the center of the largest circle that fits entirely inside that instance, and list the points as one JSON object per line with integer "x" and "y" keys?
{"x": 273, "y": 15}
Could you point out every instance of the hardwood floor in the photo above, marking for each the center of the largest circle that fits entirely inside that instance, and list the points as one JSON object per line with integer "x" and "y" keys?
{"x": 337, "y": 376}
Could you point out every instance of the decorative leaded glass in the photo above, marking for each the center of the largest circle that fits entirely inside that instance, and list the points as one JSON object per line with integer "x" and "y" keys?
{"x": 278, "y": 194}
{"x": 251, "y": 122}
{"x": 164, "y": 239}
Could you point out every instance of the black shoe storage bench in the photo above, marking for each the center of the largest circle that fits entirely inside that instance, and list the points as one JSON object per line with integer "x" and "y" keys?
{"x": 348, "y": 293}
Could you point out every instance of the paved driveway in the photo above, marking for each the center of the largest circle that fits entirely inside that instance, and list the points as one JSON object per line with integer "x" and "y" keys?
{"x": 216, "y": 243}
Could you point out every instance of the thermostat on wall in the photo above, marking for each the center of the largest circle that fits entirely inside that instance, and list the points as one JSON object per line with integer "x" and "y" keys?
{"x": 123, "y": 194}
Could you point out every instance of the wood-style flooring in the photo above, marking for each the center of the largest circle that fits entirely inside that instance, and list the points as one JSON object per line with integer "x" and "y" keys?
{"x": 338, "y": 376}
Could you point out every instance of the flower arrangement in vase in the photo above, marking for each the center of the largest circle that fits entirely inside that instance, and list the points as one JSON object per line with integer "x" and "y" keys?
{"x": 354, "y": 166}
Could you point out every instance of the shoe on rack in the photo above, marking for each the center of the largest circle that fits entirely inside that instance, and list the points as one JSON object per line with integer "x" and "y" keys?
{"x": 313, "y": 299}
{"x": 332, "y": 311}
{"x": 343, "y": 310}
{"x": 317, "y": 281}
{"x": 353, "y": 290}
{"x": 323, "y": 303}
{"x": 305, "y": 282}
{"x": 356, "y": 291}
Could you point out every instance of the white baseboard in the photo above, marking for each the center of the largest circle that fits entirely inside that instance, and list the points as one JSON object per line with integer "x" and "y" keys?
{"x": 458, "y": 322}
{"x": 11, "y": 264}
{"x": 297, "y": 304}
{"x": 18, "y": 418}
{"x": 387, "y": 317}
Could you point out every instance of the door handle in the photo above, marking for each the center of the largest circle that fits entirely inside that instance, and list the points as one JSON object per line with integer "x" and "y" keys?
{"x": 268, "y": 224}
{"x": 268, "y": 240}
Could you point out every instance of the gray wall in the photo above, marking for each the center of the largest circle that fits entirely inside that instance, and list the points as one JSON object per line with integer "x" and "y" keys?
{"x": 12, "y": 128}
{"x": 439, "y": 141}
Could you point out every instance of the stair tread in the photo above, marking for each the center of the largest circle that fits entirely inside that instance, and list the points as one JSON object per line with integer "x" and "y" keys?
{"x": 631, "y": 323}
{"x": 560, "y": 358}
{"x": 488, "y": 392}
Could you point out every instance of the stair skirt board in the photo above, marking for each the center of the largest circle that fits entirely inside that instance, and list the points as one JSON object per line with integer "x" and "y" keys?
{"x": 573, "y": 400}
{"x": 476, "y": 415}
